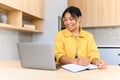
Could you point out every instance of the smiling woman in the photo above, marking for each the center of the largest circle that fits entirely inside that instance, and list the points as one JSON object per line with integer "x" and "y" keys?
{"x": 74, "y": 45}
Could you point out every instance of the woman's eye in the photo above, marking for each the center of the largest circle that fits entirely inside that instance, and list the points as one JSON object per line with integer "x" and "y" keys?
{"x": 64, "y": 20}
{"x": 71, "y": 18}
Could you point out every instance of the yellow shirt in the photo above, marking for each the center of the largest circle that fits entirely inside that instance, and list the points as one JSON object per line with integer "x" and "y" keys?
{"x": 66, "y": 44}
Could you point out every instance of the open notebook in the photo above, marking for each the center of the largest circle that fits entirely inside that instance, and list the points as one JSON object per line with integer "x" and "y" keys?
{"x": 77, "y": 68}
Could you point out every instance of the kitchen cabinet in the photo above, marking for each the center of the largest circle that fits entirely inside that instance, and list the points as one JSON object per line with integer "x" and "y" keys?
{"x": 98, "y": 13}
{"x": 36, "y": 8}
{"x": 12, "y": 3}
{"x": 23, "y": 15}
{"x": 111, "y": 54}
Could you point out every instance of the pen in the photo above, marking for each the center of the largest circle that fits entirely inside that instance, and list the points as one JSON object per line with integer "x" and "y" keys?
{"x": 76, "y": 56}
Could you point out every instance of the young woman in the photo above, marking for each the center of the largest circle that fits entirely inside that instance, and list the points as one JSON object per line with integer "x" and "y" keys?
{"x": 75, "y": 45}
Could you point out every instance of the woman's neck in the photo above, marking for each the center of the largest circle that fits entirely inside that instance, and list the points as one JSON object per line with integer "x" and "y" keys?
{"x": 76, "y": 32}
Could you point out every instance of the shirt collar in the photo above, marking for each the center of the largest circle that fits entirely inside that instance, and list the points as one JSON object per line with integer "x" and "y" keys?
{"x": 67, "y": 33}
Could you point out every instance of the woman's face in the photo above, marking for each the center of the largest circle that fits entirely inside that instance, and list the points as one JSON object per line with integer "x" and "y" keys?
{"x": 70, "y": 22}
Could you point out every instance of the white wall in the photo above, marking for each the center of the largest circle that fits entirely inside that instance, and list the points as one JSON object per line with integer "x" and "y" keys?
{"x": 62, "y": 5}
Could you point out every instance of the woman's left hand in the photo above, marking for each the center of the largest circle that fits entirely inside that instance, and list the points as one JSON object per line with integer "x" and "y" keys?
{"x": 101, "y": 64}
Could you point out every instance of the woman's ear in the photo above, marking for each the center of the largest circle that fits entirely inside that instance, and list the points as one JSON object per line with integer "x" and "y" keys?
{"x": 79, "y": 19}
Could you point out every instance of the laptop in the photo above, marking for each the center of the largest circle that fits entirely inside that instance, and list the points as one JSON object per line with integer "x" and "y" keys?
{"x": 36, "y": 56}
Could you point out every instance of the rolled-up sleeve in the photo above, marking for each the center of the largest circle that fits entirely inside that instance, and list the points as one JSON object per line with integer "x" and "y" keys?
{"x": 58, "y": 47}
{"x": 92, "y": 48}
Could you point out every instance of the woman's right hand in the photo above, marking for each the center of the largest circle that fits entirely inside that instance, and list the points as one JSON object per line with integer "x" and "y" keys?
{"x": 83, "y": 61}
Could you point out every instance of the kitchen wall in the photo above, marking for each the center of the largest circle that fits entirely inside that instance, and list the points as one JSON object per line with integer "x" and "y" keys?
{"x": 8, "y": 40}
{"x": 106, "y": 35}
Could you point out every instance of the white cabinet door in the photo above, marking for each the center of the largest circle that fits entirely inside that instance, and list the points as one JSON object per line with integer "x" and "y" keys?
{"x": 110, "y": 55}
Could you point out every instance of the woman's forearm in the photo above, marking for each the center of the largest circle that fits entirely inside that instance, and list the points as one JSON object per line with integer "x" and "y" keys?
{"x": 67, "y": 60}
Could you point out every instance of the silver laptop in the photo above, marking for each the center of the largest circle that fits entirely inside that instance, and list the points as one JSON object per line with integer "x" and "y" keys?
{"x": 36, "y": 56}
